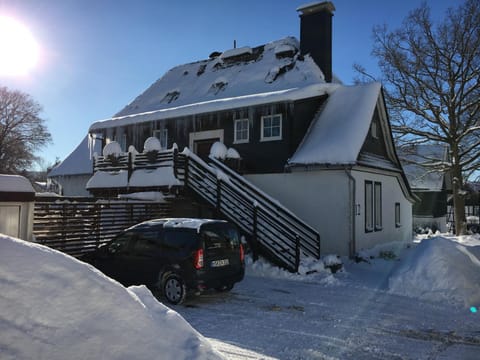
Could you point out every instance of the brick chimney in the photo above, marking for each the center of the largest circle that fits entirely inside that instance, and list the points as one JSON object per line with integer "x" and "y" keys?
{"x": 316, "y": 34}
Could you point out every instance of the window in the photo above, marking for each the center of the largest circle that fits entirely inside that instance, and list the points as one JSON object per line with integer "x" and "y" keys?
{"x": 241, "y": 132}
{"x": 397, "y": 215}
{"x": 122, "y": 141}
{"x": 368, "y": 206}
{"x": 378, "y": 206}
{"x": 374, "y": 130}
{"x": 162, "y": 135}
{"x": 373, "y": 206}
{"x": 271, "y": 127}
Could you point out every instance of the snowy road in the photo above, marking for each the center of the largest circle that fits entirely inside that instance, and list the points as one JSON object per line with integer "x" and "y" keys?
{"x": 330, "y": 318}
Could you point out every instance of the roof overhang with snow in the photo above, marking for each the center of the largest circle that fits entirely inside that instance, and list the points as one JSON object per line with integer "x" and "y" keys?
{"x": 15, "y": 188}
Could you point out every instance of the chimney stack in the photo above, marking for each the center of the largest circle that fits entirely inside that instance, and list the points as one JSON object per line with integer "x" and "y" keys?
{"x": 316, "y": 34}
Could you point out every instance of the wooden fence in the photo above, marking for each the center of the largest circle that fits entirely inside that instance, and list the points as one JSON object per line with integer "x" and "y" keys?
{"x": 75, "y": 227}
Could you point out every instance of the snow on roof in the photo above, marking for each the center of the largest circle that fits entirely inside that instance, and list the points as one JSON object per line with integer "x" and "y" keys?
{"x": 422, "y": 177}
{"x": 56, "y": 307}
{"x": 337, "y": 134}
{"x": 15, "y": 183}
{"x": 244, "y": 83}
{"x": 79, "y": 160}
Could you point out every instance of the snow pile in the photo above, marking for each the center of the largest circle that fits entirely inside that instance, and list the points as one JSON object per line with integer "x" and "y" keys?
{"x": 232, "y": 154}
{"x": 112, "y": 148}
{"x": 55, "y": 307}
{"x": 156, "y": 196}
{"x": 440, "y": 269}
{"x": 15, "y": 183}
{"x": 152, "y": 144}
{"x": 218, "y": 150}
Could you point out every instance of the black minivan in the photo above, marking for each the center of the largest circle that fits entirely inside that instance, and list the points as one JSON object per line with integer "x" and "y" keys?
{"x": 174, "y": 255}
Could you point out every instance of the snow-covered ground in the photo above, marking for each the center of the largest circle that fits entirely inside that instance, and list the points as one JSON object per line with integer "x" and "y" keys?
{"x": 413, "y": 303}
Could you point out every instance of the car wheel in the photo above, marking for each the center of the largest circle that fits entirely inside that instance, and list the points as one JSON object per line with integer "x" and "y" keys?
{"x": 224, "y": 288}
{"x": 174, "y": 289}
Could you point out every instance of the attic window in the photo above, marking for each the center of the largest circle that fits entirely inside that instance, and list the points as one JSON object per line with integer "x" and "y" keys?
{"x": 171, "y": 96}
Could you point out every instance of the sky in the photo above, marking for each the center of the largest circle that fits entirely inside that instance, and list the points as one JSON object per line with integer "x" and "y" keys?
{"x": 96, "y": 56}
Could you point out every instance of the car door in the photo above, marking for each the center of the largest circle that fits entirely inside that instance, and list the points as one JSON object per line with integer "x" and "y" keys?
{"x": 114, "y": 258}
{"x": 146, "y": 257}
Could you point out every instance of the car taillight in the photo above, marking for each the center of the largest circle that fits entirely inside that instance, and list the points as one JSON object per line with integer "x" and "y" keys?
{"x": 198, "y": 262}
{"x": 242, "y": 253}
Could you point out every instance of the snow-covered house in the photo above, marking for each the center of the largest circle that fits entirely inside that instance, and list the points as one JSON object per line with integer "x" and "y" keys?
{"x": 71, "y": 175}
{"x": 430, "y": 185}
{"x": 322, "y": 149}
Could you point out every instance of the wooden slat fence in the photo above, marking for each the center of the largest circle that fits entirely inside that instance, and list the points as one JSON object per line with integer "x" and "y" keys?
{"x": 77, "y": 227}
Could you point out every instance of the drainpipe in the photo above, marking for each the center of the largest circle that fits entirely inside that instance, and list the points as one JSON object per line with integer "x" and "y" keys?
{"x": 353, "y": 211}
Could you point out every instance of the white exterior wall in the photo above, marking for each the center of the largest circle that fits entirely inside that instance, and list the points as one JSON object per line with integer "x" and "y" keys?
{"x": 429, "y": 222}
{"x": 16, "y": 219}
{"x": 320, "y": 198}
{"x": 73, "y": 185}
{"x": 391, "y": 193}
{"x": 324, "y": 200}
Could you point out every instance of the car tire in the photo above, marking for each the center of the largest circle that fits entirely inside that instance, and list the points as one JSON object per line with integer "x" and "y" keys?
{"x": 224, "y": 288}
{"x": 174, "y": 289}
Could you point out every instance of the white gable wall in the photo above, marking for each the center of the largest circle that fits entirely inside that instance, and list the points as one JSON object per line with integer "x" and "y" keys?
{"x": 391, "y": 193}
{"x": 324, "y": 200}
{"x": 73, "y": 185}
{"x": 320, "y": 198}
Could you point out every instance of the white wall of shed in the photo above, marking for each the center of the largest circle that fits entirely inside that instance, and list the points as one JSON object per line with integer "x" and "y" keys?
{"x": 17, "y": 219}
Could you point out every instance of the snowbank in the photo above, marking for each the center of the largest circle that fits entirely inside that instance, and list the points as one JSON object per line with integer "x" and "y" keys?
{"x": 53, "y": 306}
{"x": 439, "y": 269}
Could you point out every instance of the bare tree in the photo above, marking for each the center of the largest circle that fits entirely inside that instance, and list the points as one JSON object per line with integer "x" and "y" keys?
{"x": 22, "y": 131}
{"x": 431, "y": 76}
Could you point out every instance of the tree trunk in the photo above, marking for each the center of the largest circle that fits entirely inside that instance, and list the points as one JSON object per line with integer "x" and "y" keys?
{"x": 458, "y": 201}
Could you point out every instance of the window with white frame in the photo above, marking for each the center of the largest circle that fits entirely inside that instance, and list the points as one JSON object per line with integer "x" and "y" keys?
{"x": 241, "y": 131}
{"x": 271, "y": 127}
{"x": 397, "y": 215}
{"x": 162, "y": 135}
{"x": 122, "y": 141}
{"x": 373, "y": 206}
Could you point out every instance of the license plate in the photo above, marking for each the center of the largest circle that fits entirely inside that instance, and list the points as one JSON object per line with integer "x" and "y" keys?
{"x": 219, "y": 263}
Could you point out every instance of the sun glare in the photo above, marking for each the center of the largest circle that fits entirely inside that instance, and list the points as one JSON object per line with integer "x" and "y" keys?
{"x": 18, "y": 48}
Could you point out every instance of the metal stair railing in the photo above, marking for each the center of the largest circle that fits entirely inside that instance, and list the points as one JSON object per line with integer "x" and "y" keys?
{"x": 276, "y": 232}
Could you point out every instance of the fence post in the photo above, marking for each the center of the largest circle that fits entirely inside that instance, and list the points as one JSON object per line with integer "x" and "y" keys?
{"x": 64, "y": 226}
{"x": 130, "y": 166}
{"x": 254, "y": 234}
{"x": 175, "y": 162}
{"x": 185, "y": 171}
{"x": 219, "y": 196}
{"x": 297, "y": 252}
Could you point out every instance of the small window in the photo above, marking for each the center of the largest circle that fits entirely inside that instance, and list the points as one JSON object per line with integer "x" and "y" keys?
{"x": 241, "y": 132}
{"x": 122, "y": 141}
{"x": 397, "y": 215}
{"x": 271, "y": 127}
{"x": 373, "y": 206}
{"x": 374, "y": 130}
{"x": 378, "y": 206}
{"x": 368, "y": 206}
{"x": 162, "y": 135}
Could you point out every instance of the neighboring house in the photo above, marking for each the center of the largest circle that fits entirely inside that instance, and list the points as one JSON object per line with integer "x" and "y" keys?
{"x": 71, "y": 175}
{"x": 322, "y": 149}
{"x": 429, "y": 185}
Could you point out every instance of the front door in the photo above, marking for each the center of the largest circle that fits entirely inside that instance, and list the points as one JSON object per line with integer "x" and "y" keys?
{"x": 202, "y": 147}
{"x": 201, "y": 141}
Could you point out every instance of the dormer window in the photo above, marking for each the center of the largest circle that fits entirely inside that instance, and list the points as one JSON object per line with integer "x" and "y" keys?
{"x": 271, "y": 127}
{"x": 171, "y": 96}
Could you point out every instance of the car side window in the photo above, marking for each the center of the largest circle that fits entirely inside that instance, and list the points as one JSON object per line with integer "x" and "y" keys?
{"x": 147, "y": 242}
{"x": 121, "y": 244}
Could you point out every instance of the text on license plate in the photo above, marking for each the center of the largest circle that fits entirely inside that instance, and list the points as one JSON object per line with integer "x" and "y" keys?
{"x": 218, "y": 263}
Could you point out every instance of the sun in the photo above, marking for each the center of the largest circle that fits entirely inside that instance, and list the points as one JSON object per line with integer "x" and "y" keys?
{"x": 18, "y": 48}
